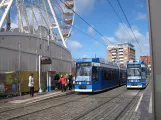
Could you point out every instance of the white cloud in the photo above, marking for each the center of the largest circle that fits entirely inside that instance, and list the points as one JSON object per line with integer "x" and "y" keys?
{"x": 91, "y": 31}
{"x": 107, "y": 39}
{"x": 14, "y": 25}
{"x": 85, "y": 56}
{"x": 84, "y": 6}
{"x": 74, "y": 44}
{"x": 141, "y": 16}
{"x": 126, "y": 35}
{"x": 96, "y": 43}
{"x": 123, "y": 34}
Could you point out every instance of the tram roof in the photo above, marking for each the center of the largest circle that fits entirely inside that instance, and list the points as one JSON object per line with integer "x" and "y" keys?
{"x": 97, "y": 60}
{"x": 90, "y": 60}
{"x": 136, "y": 62}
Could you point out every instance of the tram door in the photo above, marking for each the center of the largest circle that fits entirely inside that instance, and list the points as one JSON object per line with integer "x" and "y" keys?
{"x": 96, "y": 85}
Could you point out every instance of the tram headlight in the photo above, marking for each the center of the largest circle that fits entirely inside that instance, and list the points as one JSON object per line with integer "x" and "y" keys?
{"x": 76, "y": 82}
{"x": 128, "y": 80}
{"x": 139, "y": 80}
{"x": 88, "y": 82}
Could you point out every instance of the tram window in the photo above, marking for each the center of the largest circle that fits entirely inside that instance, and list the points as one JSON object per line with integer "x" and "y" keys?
{"x": 113, "y": 75}
{"x": 122, "y": 75}
{"x": 110, "y": 75}
{"x": 94, "y": 73}
{"x": 105, "y": 75}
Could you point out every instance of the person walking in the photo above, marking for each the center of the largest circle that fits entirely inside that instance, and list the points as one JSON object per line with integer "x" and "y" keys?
{"x": 31, "y": 84}
{"x": 70, "y": 84}
{"x": 56, "y": 78}
{"x": 63, "y": 82}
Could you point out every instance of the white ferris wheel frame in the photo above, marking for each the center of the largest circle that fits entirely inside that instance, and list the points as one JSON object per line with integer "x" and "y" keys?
{"x": 8, "y": 3}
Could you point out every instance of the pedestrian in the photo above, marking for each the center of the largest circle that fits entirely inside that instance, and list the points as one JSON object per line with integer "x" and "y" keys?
{"x": 63, "y": 82}
{"x": 56, "y": 78}
{"x": 70, "y": 84}
{"x": 31, "y": 84}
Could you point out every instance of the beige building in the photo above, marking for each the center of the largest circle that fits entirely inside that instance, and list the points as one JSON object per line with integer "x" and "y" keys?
{"x": 121, "y": 53}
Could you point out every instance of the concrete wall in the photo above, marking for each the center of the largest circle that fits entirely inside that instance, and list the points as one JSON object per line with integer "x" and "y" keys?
{"x": 155, "y": 44}
{"x": 27, "y": 47}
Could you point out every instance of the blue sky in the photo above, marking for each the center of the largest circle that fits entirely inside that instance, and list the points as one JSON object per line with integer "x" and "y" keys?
{"x": 101, "y": 16}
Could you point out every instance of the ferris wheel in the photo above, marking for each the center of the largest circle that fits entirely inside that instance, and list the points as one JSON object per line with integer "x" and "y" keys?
{"x": 52, "y": 18}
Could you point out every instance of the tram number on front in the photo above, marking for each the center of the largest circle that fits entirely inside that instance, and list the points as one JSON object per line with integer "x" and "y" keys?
{"x": 134, "y": 84}
{"x": 82, "y": 87}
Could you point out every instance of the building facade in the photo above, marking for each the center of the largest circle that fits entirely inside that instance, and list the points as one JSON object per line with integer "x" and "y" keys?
{"x": 121, "y": 53}
{"x": 146, "y": 59}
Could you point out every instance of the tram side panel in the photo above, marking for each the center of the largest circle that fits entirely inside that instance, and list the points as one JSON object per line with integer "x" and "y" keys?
{"x": 109, "y": 78}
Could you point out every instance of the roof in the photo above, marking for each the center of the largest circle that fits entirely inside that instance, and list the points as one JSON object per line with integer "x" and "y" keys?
{"x": 97, "y": 60}
{"x": 136, "y": 62}
{"x": 122, "y": 45}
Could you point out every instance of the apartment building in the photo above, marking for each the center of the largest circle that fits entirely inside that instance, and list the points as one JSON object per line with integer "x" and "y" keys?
{"x": 146, "y": 59}
{"x": 121, "y": 53}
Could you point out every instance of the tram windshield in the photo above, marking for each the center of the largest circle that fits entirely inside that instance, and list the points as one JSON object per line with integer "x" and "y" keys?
{"x": 134, "y": 72}
{"x": 83, "y": 71}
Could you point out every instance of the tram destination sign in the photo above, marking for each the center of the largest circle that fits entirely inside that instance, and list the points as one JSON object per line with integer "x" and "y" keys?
{"x": 84, "y": 64}
{"x": 134, "y": 66}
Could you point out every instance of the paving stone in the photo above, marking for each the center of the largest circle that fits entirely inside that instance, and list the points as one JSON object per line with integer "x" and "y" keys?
{"x": 107, "y": 105}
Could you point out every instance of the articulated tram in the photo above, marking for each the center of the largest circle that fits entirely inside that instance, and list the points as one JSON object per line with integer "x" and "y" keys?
{"x": 136, "y": 74}
{"x": 94, "y": 75}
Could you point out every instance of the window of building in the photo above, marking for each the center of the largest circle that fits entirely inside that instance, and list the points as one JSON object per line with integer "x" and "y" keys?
{"x": 122, "y": 75}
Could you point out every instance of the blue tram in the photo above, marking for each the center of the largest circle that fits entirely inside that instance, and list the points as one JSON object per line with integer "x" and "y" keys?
{"x": 94, "y": 75}
{"x": 136, "y": 74}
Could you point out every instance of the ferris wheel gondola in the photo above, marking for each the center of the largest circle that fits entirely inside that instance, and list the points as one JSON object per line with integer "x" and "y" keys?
{"x": 67, "y": 18}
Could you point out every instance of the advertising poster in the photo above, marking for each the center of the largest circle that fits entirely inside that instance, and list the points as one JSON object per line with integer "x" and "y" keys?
{"x": 8, "y": 83}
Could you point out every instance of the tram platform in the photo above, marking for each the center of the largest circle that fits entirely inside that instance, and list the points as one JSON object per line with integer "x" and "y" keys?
{"x": 37, "y": 97}
{"x": 140, "y": 108}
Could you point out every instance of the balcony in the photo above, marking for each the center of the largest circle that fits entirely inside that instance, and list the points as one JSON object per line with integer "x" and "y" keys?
{"x": 113, "y": 53}
{"x": 122, "y": 62}
{"x": 121, "y": 56}
{"x": 121, "y": 50}
{"x": 121, "y": 59}
{"x": 114, "y": 50}
{"x": 121, "y": 53}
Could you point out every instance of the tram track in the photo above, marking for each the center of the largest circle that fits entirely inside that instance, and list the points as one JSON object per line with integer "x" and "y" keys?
{"x": 19, "y": 116}
{"x": 87, "y": 112}
{"x": 36, "y": 111}
{"x": 97, "y": 107}
{"x": 124, "y": 110}
{"x": 39, "y": 102}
